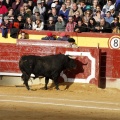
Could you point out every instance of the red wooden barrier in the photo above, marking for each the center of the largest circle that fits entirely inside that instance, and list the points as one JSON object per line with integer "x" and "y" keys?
{"x": 11, "y": 53}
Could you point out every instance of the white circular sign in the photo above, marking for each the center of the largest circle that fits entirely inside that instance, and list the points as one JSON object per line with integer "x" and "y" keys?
{"x": 114, "y": 42}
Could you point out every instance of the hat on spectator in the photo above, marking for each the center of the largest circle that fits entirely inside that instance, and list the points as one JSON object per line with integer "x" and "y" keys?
{"x": 6, "y": 18}
{"x": 71, "y": 40}
{"x": 36, "y": 10}
{"x": 51, "y": 18}
{"x": 112, "y": 7}
{"x": 39, "y": 1}
{"x": 53, "y": 5}
{"x": 49, "y": 34}
{"x": 62, "y": 34}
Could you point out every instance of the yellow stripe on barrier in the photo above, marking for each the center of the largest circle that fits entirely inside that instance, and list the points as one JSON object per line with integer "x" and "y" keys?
{"x": 80, "y": 41}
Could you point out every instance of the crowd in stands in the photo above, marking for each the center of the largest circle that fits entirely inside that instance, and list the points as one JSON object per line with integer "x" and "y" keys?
{"x": 101, "y": 16}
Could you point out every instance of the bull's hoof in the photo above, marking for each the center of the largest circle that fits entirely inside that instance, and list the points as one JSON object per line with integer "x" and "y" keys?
{"x": 46, "y": 88}
{"x": 57, "y": 89}
{"x": 28, "y": 88}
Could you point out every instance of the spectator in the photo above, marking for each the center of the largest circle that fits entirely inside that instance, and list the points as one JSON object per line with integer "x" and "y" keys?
{"x": 115, "y": 25}
{"x": 91, "y": 25}
{"x": 57, "y": 5}
{"x": 82, "y": 5}
{"x": 98, "y": 16}
{"x": 94, "y": 5}
{"x": 80, "y": 27}
{"x": 103, "y": 26}
{"x": 60, "y": 25}
{"x": 10, "y": 14}
{"x": 72, "y": 43}
{"x": 23, "y": 35}
{"x": 107, "y": 6}
{"x": 49, "y": 37}
{"x": 5, "y": 26}
{"x": 74, "y": 9}
{"x": 31, "y": 4}
{"x": 108, "y": 17}
{"x": 50, "y": 25}
{"x": 28, "y": 24}
{"x": 112, "y": 10}
{"x": 17, "y": 4}
{"x": 27, "y": 10}
{"x": 68, "y": 4}
{"x": 64, "y": 12}
{"x": 36, "y": 15}
{"x": 77, "y": 16}
{"x": 7, "y": 3}
{"x": 54, "y": 15}
{"x": 38, "y": 24}
{"x": 40, "y": 6}
{"x": 63, "y": 37}
{"x": 23, "y": 13}
{"x": 70, "y": 25}
{"x": 3, "y": 9}
{"x": 98, "y": 8}
{"x": 19, "y": 22}
{"x": 87, "y": 16}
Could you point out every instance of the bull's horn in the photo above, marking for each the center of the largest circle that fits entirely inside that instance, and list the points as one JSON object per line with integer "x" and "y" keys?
{"x": 85, "y": 63}
{"x": 73, "y": 57}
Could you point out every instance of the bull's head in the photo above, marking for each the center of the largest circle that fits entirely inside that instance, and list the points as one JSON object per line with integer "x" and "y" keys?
{"x": 71, "y": 64}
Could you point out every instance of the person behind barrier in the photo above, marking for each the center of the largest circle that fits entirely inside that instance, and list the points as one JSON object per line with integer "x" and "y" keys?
{"x": 23, "y": 35}
{"x": 72, "y": 43}
{"x": 63, "y": 37}
{"x": 49, "y": 36}
{"x": 103, "y": 26}
{"x": 5, "y": 26}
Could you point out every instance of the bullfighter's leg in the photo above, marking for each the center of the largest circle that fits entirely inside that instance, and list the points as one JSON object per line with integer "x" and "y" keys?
{"x": 25, "y": 78}
{"x": 46, "y": 82}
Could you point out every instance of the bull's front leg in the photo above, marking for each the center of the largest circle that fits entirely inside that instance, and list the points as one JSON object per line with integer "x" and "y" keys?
{"x": 46, "y": 82}
{"x": 25, "y": 78}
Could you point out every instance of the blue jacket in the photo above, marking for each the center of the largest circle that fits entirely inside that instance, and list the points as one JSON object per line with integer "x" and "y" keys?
{"x": 117, "y": 5}
{"x": 64, "y": 14}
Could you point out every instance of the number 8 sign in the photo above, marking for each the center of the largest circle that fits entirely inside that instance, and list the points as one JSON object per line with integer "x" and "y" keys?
{"x": 114, "y": 42}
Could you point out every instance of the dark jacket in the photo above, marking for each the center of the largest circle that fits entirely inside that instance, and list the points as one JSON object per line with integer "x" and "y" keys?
{"x": 113, "y": 25}
{"x": 62, "y": 38}
{"x": 106, "y": 28}
{"x": 48, "y": 38}
{"x": 50, "y": 27}
{"x": 28, "y": 26}
{"x": 82, "y": 28}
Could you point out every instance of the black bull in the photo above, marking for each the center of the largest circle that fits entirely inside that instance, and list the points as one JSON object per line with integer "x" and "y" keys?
{"x": 49, "y": 67}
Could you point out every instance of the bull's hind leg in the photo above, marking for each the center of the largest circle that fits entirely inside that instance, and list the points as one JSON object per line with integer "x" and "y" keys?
{"x": 56, "y": 84}
{"x": 46, "y": 82}
{"x": 25, "y": 78}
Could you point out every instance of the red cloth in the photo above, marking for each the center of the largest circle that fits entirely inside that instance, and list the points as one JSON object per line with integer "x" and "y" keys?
{"x": 3, "y": 9}
{"x": 35, "y": 1}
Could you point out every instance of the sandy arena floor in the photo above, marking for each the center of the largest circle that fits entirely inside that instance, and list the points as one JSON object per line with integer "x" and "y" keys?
{"x": 72, "y": 102}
